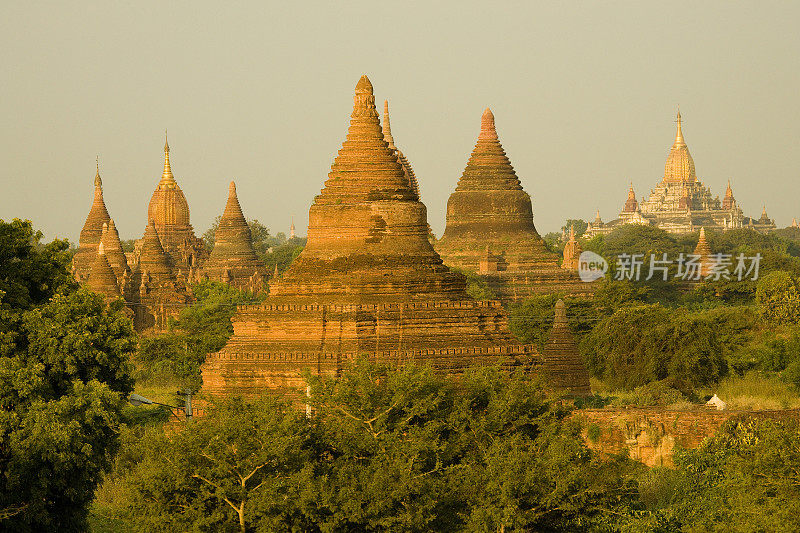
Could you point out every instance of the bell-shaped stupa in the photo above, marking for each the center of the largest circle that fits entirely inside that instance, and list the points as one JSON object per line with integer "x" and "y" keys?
{"x": 233, "y": 259}
{"x": 91, "y": 233}
{"x": 169, "y": 211}
{"x": 563, "y": 367}
{"x": 367, "y": 283}
{"x": 489, "y": 207}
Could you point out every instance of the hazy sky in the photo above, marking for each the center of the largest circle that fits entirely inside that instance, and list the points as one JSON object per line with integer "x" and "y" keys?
{"x": 584, "y": 96}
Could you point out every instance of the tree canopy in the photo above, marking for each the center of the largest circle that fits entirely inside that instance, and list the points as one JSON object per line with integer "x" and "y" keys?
{"x": 64, "y": 376}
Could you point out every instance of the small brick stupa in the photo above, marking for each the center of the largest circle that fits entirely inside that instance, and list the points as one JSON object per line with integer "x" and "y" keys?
{"x": 572, "y": 252}
{"x": 367, "y": 283}
{"x": 156, "y": 293}
{"x": 113, "y": 249}
{"x": 703, "y": 251}
{"x": 563, "y": 368}
{"x": 102, "y": 279}
{"x": 91, "y": 233}
{"x": 489, "y": 207}
{"x": 233, "y": 259}
{"x": 169, "y": 210}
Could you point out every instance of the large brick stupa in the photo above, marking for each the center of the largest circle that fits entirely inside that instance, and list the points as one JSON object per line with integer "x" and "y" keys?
{"x": 490, "y": 227}
{"x": 367, "y": 283}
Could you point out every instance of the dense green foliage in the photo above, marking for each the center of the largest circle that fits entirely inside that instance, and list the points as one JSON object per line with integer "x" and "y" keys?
{"x": 201, "y": 328}
{"x": 681, "y": 335}
{"x": 382, "y": 450}
{"x": 745, "y": 478}
{"x": 64, "y": 375}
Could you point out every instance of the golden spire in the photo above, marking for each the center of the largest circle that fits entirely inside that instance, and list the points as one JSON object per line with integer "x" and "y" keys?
{"x": 98, "y": 183}
{"x": 167, "y": 175}
{"x": 679, "y": 133}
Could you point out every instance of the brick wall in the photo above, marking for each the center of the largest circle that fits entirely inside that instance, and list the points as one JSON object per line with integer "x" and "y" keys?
{"x": 650, "y": 434}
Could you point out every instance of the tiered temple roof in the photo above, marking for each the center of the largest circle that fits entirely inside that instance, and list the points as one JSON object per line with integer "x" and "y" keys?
{"x": 563, "y": 367}
{"x": 91, "y": 233}
{"x": 233, "y": 259}
{"x": 367, "y": 282}
{"x": 489, "y": 206}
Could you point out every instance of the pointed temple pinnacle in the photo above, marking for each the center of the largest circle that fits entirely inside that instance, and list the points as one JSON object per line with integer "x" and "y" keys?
{"x": 679, "y": 133}
{"x": 364, "y": 85}
{"x": 98, "y": 183}
{"x": 488, "y": 130}
{"x": 167, "y": 174}
{"x": 232, "y": 189}
{"x": 387, "y": 128}
{"x": 101, "y": 249}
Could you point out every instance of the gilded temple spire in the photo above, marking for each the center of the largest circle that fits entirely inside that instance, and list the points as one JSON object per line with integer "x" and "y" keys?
{"x": 679, "y": 133}
{"x": 167, "y": 174}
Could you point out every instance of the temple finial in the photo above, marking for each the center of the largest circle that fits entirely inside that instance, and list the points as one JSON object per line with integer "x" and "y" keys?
{"x": 364, "y": 85}
{"x": 167, "y": 174}
{"x": 97, "y": 181}
{"x": 387, "y": 128}
{"x": 679, "y": 133}
{"x": 488, "y": 130}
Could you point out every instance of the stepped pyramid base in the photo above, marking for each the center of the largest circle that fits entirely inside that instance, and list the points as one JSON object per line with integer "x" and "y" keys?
{"x": 274, "y": 343}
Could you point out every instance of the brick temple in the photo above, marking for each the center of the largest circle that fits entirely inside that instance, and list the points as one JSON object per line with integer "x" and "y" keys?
{"x": 155, "y": 279}
{"x": 367, "y": 283}
{"x": 490, "y": 228}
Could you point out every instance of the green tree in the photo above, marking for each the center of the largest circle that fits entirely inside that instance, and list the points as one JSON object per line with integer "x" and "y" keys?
{"x": 381, "y": 449}
{"x": 30, "y": 272}
{"x": 411, "y": 450}
{"x": 745, "y": 478}
{"x": 237, "y": 469}
{"x": 577, "y": 224}
{"x": 531, "y": 320}
{"x": 778, "y": 298}
{"x": 202, "y": 328}
{"x": 64, "y": 373}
